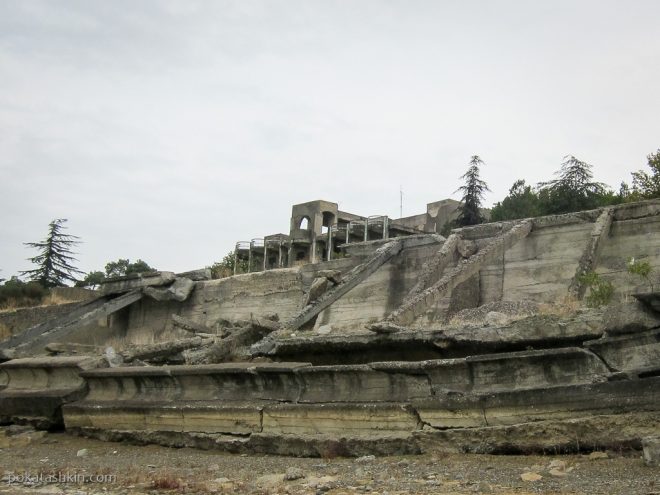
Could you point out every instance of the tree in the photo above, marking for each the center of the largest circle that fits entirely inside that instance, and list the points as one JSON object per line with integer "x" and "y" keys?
{"x": 225, "y": 268}
{"x": 573, "y": 190}
{"x": 55, "y": 259}
{"x": 522, "y": 202}
{"x": 123, "y": 267}
{"x": 646, "y": 185}
{"x": 92, "y": 279}
{"x": 473, "y": 195}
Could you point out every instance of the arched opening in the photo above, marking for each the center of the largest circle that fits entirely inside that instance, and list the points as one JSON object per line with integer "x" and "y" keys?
{"x": 304, "y": 223}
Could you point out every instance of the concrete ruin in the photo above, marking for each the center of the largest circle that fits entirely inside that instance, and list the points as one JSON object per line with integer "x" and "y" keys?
{"x": 407, "y": 342}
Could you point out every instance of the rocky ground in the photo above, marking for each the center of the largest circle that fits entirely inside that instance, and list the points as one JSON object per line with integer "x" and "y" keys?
{"x": 27, "y": 455}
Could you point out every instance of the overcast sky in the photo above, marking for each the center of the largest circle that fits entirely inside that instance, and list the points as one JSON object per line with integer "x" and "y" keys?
{"x": 169, "y": 130}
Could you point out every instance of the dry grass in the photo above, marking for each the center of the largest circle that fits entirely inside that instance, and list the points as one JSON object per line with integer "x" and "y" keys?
{"x": 5, "y": 333}
{"x": 565, "y": 307}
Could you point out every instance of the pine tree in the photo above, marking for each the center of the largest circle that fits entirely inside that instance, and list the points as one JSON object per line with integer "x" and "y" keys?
{"x": 473, "y": 195}
{"x": 55, "y": 258}
{"x": 574, "y": 190}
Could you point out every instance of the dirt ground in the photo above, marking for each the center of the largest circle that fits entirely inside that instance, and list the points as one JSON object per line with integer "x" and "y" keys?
{"x": 56, "y": 463}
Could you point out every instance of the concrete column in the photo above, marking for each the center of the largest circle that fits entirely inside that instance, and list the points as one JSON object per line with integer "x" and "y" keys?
{"x": 235, "y": 258}
{"x": 250, "y": 258}
{"x": 312, "y": 255}
{"x": 265, "y": 254}
{"x": 329, "y": 244}
{"x": 279, "y": 255}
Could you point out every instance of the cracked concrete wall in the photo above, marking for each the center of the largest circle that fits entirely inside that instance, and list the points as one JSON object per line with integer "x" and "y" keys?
{"x": 379, "y": 294}
{"x": 538, "y": 268}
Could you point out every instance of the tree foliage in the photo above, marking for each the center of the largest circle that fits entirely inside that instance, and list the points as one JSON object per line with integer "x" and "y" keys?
{"x": 573, "y": 190}
{"x": 225, "y": 267}
{"x": 473, "y": 194}
{"x": 55, "y": 258}
{"x": 646, "y": 185}
{"x": 123, "y": 267}
{"x": 119, "y": 268}
{"x": 522, "y": 202}
{"x": 15, "y": 292}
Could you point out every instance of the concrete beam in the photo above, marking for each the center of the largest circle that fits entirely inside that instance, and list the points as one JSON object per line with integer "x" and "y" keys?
{"x": 348, "y": 282}
{"x": 408, "y": 312}
{"x": 589, "y": 258}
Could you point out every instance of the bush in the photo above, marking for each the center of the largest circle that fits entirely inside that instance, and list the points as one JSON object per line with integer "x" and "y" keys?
{"x": 16, "y": 293}
{"x": 642, "y": 269}
{"x": 601, "y": 291}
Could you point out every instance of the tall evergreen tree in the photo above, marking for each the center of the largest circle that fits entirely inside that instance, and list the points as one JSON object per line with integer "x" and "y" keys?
{"x": 473, "y": 195}
{"x": 55, "y": 259}
{"x": 573, "y": 190}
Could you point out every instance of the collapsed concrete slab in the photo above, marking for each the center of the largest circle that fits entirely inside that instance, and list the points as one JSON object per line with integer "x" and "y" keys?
{"x": 36, "y": 388}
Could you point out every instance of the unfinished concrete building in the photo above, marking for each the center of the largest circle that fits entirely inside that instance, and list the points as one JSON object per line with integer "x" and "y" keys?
{"x": 408, "y": 342}
{"x": 318, "y": 231}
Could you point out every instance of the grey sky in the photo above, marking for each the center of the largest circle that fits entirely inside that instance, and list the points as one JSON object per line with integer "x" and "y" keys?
{"x": 168, "y": 130}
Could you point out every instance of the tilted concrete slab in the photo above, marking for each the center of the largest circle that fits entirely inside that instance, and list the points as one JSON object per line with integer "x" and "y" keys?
{"x": 130, "y": 283}
{"x": 628, "y": 352}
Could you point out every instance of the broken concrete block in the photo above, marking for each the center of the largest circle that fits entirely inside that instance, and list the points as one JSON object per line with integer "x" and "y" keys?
{"x": 466, "y": 248}
{"x": 126, "y": 284}
{"x": 333, "y": 276}
{"x": 179, "y": 291}
{"x": 651, "y": 446}
{"x": 628, "y": 318}
{"x": 650, "y": 299}
{"x": 318, "y": 287}
{"x": 197, "y": 275}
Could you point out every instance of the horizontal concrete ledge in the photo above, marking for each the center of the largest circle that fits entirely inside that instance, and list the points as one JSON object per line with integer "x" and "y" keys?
{"x": 522, "y": 406}
{"x": 325, "y": 446}
{"x": 586, "y": 434}
{"x": 80, "y": 362}
{"x": 201, "y": 369}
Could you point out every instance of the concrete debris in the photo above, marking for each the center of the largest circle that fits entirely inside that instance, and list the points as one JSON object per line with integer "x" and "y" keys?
{"x": 630, "y": 317}
{"x": 466, "y": 248}
{"x": 650, "y": 299}
{"x": 179, "y": 291}
{"x": 293, "y": 473}
{"x": 333, "y": 276}
{"x": 138, "y": 281}
{"x": 237, "y": 341}
{"x": 56, "y": 348}
{"x": 651, "y": 449}
{"x": 190, "y": 325}
{"x": 197, "y": 275}
{"x": 531, "y": 476}
{"x": 163, "y": 351}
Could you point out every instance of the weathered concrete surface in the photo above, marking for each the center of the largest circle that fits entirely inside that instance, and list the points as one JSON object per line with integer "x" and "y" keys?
{"x": 33, "y": 340}
{"x": 651, "y": 448}
{"x": 584, "y": 434}
{"x": 411, "y": 344}
{"x": 350, "y": 281}
{"x": 540, "y": 404}
{"x": 629, "y": 352}
{"x": 420, "y": 304}
{"x": 14, "y": 322}
{"x": 650, "y": 300}
{"x": 130, "y": 283}
{"x": 35, "y": 388}
{"x": 589, "y": 259}
{"x": 629, "y": 317}
{"x": 380, "y": 293}
{"x": 179, "y": 290}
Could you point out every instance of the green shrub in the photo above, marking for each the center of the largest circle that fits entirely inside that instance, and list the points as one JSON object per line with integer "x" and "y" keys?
{"x": 642, "y": 269}
{"x": 600, "y": 291}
